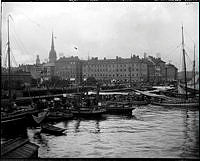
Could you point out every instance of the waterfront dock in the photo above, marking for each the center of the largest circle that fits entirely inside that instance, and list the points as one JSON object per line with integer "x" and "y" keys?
{"x": 19, "y": 148}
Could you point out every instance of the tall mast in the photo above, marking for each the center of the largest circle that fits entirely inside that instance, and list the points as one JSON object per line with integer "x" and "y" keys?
{"x": 130, "y": 70}
{"x": 194, "y": 68}
{"x": 184, "y": 64}
{"x": 1, "y": 35}
{"x": 9, "y": 80}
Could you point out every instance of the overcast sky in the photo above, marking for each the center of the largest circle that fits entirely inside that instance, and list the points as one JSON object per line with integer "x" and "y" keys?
{"x": 101, "y": 29}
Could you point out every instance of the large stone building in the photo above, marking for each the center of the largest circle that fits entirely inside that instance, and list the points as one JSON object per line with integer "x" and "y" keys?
{"x": 36, "y": 70}
{"x": 119, "y": 69}
{"x": 171, "y": 72}
{"x": 69, "y": 68}
{"x": 155, "y": 69}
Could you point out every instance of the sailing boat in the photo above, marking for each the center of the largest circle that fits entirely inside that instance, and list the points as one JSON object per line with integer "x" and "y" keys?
{"x": 13, "y": 113}
{"x": 183, "y": 102}
{"x": 88, "y": 106}
{"x": 193, "y": 85}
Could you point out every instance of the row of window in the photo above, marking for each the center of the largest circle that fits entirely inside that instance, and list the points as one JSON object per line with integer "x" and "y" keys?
{"x": 106, "y": 70}
{"x": 111, "y": 75}
{"x": 108, "y": 65}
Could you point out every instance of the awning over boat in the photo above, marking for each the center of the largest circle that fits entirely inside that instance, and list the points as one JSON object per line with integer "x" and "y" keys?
{"x": 163, "y": 88}
{"x": 108, "y": 93}
{"x": 148, "y": 93}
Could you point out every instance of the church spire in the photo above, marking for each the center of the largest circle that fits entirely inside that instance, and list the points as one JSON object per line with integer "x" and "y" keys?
{"x": 52, "y": 53}
{"x": 52, "y": 43}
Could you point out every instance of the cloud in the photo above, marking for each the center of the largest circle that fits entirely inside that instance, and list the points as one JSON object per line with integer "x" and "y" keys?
{"x": 103, "y": 29}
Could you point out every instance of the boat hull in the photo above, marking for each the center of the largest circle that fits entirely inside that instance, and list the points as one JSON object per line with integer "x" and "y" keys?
{"x": 83, "y": 113}
{"x": 176, "y": 104}
{"x": 119, "y": 110}
{"x": 47, "y": 128}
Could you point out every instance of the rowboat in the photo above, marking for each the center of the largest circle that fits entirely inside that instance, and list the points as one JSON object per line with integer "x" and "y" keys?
{"x": 48, "y": 128}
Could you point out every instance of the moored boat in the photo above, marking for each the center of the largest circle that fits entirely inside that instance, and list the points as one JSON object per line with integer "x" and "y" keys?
{"x": 11, "y": 113}
{"x": 88, "y": 112}
{"x": 176, "y": 104}
{"x": 87, "y": 106}
{"x": 118, "y": 107}
{"x": 48, "y": 128}
{"x": 58, "y": 111}
{"x": 185, "y": 100}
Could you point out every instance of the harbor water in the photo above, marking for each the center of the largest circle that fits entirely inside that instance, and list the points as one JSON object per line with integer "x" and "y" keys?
{"x": 151, "y": 132}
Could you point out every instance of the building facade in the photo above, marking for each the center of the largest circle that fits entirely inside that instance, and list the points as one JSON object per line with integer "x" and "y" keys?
{"x": 119, "y": 69}
{"x": 171, "y": 72}
{"x": 69, "y": 68}
{"x": 155, "y": 69}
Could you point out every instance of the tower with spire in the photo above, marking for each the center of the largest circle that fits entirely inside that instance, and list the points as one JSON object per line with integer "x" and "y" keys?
{"x": 37, "y": 60}
{"x": 52, "y": 53}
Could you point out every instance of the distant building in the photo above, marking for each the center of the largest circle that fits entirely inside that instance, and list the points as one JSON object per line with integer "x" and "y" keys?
{"x": 69, "y": 68}
{"x": 171, "y": 72}
{"x": 48, "y": 71}
{"x": 35, "y": 69}
{"x": 119, "y": 69}
{"x": 155, "y": 69}
{"x": 37, "y": 60}
{"x": 18, "y": 79}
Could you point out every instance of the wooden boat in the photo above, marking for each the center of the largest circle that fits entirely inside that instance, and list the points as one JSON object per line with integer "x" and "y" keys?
{"x": 185, "y": 101}
{"x": 16, "y": 115}
{"x": 118, "y": 107}
{"x": 12, "y": 113}
{"x": 48, "y": 128}
{"x": 88, "y": 111}
{"x": 176, "y": 104}
{"x": 57, "y": 111}
{"x": 88, "y": 106}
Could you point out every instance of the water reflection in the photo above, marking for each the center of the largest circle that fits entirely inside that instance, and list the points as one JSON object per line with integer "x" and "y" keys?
{"x": 94, "y": 125}
{"x": 77, "y": 125}
{"x": 97, "y": 127}
{"x": 191, "y": 134}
